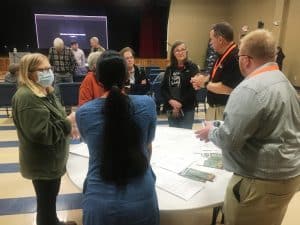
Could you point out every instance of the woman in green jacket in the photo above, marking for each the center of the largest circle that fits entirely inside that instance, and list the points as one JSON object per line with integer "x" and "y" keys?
{"x": 43, "y": 131}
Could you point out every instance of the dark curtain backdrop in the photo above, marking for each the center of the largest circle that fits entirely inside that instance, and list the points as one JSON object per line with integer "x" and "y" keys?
{"x": 140, "y": 24}
{"x": 151, "y": 37}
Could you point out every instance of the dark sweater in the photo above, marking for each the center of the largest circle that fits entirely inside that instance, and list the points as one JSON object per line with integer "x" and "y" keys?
{"x": 43, "y": 132}
{"x": 177, "y": 85}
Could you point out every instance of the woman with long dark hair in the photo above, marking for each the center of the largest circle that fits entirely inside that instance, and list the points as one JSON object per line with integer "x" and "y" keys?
{"x": 176, "y": 88}
{"x": 118, "y": 129}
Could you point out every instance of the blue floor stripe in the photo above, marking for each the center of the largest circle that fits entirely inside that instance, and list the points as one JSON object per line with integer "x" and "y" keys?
{"x": 7, "y": 127}
{"x": 11, "y": 206}
{"x": 7, "y": 144}
{"x": 3, "y": 116}
{"x": 9, "y": 167}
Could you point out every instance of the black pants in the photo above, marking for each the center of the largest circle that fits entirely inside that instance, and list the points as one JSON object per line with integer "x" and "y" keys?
{"x": 46, "y": 193}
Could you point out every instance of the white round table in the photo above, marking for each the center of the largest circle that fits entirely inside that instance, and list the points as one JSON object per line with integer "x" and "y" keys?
{"x": 173, "y": 149}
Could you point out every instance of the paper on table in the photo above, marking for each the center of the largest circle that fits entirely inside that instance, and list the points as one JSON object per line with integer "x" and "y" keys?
{"x": 173, "y": 162}
{"x": 80, "y": 149}
{"x": 173, "y": 183}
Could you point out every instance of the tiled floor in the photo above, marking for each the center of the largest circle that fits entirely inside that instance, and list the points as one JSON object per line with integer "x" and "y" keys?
{"x": 17, "y": 202}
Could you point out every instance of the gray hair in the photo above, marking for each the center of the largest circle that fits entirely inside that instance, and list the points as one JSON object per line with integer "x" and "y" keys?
{"x": 95, "y": 39}
{"x": 92, "y": 60}
{"x": 58, "y": 43}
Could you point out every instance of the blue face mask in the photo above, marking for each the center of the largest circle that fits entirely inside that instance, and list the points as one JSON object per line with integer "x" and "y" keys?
{"x": 45, "y": 78}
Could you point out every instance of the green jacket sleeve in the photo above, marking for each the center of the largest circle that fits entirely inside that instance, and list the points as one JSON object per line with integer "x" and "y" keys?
{"x": 39, "y": 120}
{"x": 38, "y": 126}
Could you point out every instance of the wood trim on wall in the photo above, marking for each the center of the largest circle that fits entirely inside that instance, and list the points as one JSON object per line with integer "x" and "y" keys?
{"x": 162, "y": 63}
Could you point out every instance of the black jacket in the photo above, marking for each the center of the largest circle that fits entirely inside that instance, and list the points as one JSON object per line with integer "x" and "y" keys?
{"x": 138, "y": 88}
{"x": 186, "y": 95}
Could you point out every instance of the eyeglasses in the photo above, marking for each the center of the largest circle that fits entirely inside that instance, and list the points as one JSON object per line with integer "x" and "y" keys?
{"x": 180, "y": 50}
{"x": 238, "y": 56}
{"x": 42, "y": 69}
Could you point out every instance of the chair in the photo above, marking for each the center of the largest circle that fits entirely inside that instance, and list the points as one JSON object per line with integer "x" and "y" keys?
{"x": 201, "y": 98}
{"x": 69, "y": 93}
{"x": 156, "y": 70}
{"x": 149, "y": 68}
{"x": 7, "y": 91}
{"x": 152, "y": 76}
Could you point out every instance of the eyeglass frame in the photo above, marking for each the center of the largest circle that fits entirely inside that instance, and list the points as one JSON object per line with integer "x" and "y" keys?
{"x": 238, "y": 56}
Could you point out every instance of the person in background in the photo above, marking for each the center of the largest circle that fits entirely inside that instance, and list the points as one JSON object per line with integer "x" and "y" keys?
{"x": 120, "y": 185}
{"x": 79, "y": 57}
{"x": 176, "y": 88}
{"x": 279, "y": 57}
{"x": 12, "y": 74}
{"x": 90, "y": 88}
{"x": 43, "y": 131}
{"x": 63, "y": 63}
{"x": 95, "y": 45}
{"x": 225, "y": 75}
{"x": 260, "y": 137}
{"x": 137, "y": 81}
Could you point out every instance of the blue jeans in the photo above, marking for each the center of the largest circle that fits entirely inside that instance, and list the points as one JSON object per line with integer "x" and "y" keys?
{"x": 186, "y": 121}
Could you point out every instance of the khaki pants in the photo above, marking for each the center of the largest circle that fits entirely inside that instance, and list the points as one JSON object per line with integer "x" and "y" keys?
{"x": 214, "y": 113}
{"x": 258, "y": 202}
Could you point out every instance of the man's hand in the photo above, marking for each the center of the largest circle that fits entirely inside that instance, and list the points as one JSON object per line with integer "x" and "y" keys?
{"x": 202, "y": 134}
{"x": 198, "y": 81}
{"x": 144, "y": 81}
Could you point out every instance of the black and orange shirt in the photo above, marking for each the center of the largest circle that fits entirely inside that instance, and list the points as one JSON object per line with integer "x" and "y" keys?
{"x": 226, "y": 71}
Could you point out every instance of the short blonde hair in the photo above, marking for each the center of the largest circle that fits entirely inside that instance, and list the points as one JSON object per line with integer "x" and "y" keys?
{"x": 58, "y": 43}
{"x": 92, "y": 59}
{"x": 28, "y": 65}
{"x": 259, "y": 44}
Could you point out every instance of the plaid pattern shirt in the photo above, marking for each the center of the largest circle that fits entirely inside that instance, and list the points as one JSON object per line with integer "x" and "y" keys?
{"x": 62, "y": 62}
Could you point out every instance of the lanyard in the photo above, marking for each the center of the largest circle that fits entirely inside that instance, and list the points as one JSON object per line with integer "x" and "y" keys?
{"x": 219, "y": 62}
{"x": 264, "y": 69}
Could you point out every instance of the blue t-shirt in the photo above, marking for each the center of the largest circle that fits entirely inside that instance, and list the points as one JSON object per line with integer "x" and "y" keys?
{"x": 90, "y": 121}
